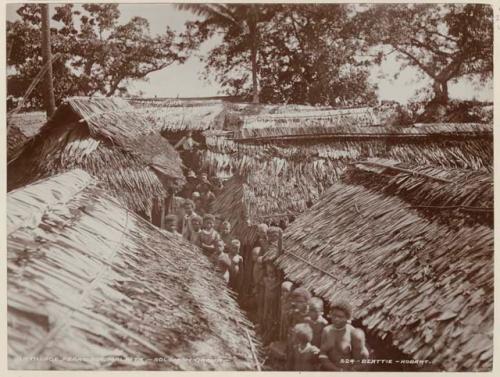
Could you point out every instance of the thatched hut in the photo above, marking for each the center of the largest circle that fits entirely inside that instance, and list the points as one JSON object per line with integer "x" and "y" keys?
{"x": 175, "y": 118}
{"x": 91, "y": 285}
{"x": 170, "y": 115}
{"x": 418, "y": 277}
{"x": 20, "y": 128}
{"x": 281, "y": 178}
{"x": 107, "y": 138}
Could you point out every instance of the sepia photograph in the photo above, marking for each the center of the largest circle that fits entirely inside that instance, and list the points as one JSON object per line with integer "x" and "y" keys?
{"x": 249, "y": 186}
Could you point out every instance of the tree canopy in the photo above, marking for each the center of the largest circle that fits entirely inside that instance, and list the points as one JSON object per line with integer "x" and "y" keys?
{"x": 98, "y": 54}
{"x": 444, "y": 41}
{"x": 298, "y": 53}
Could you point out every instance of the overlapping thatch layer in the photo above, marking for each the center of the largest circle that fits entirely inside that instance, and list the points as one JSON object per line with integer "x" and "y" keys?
{"x": 170, "y": 115}
{"x": 286, "y": 178}
{"x": 458, "y": 148}
{"x": 232, "y": 204}
{"x": 314, "y": 127}
{"x": 439, "y": 193}
{"x": 93, "y": 286}
{"x": 106, "y": 138}
{"x": 426, "y": 286}
{"x": 21, "y": 127}
{"x": 305, "y": 119}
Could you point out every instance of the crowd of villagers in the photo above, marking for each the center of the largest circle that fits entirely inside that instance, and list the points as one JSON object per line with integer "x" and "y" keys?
{"x": 285, "y": 313}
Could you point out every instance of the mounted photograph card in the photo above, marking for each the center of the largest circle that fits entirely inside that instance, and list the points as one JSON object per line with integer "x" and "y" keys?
{"x": 249, "y": 186}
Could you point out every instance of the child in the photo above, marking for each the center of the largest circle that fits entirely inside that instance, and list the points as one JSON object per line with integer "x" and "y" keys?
{"x": 171, "y": 224}
{"x": 304, "y": 354}
{"x": 316, "y": 320}
{"x": 194, "y": 235}
{"x": 262, "y": 236}
{"x": 208, "y": 235}
{"x": 186, "y": 219}
{"x": 223, "y": 260}
{"x": 236, "y": 261}
{"x": 298, "y": 313}
{"x": 225, "y": 233}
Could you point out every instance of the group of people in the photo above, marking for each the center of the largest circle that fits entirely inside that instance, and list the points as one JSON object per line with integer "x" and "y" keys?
{"x": 290, "y": 314}
{"x": 197, "y": 224}
{"x": 284, "y": 313}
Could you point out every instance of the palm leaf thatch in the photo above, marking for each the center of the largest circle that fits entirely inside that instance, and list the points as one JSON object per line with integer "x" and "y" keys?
{"x": 286, "y": 178}
{"x": 20, "y": 128}
{"x": 231, "y": 204}
{"x": 93, "y": 286}
{"x": 423, "y": 284}
{"x": 170, "y": 115}
{"x": 442, "y": 194}
{"x": 349, "y": 127}
{"x": 307, "y": 118}
{"x": 450, "y": 146}
{"x": 104, "y": 137}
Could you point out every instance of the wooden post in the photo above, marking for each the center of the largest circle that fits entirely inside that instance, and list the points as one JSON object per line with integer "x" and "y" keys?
{"x": 49, "y": 100}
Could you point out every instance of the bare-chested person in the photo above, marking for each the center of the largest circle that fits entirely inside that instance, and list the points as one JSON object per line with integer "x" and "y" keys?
{"x": 304, "y": 354}
{"x": 236, "y": 263}
{"x": 298, "y": 313}
{"x": 340, "y": 340}
{"x": 208, "y": 236}
{"x": 225, "y": 232}
{"x": 194, "y": 235}
{"x": 316, "y": 320}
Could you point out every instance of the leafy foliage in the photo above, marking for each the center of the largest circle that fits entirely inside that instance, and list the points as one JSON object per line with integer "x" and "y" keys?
{"x": 98, "y": 54}
{"x": 304, "y": 54}
{"x": 445, "y": 42}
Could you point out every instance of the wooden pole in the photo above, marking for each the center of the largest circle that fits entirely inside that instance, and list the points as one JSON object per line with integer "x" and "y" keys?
{"x": 49, "y": 100}
{"x": 252, "y": 349}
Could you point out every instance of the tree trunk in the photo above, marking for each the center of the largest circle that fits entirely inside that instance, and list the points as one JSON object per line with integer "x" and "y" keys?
{"x": 255, "y": 41}
{"x": 440, "y": 92}
{"x": 49, "y": 100}
{"x": 436, "y": 110}
{"x": 255, "y": 85}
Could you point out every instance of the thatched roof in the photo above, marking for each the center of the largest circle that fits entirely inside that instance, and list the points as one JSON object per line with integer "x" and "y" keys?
{"x": 21, "y": 127}
{"x": 285, "y": 178}
{"x": 105, "y": 137}
{"x": 171, "y": 115}
{"x": 439, "y": 193}
{"x": 424, "y": 285}
{"x": 305, "y": 119}
{"x": 313, "y": 127}
{"x": 93, "y": 286}
{"x": 450, "y": 146}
